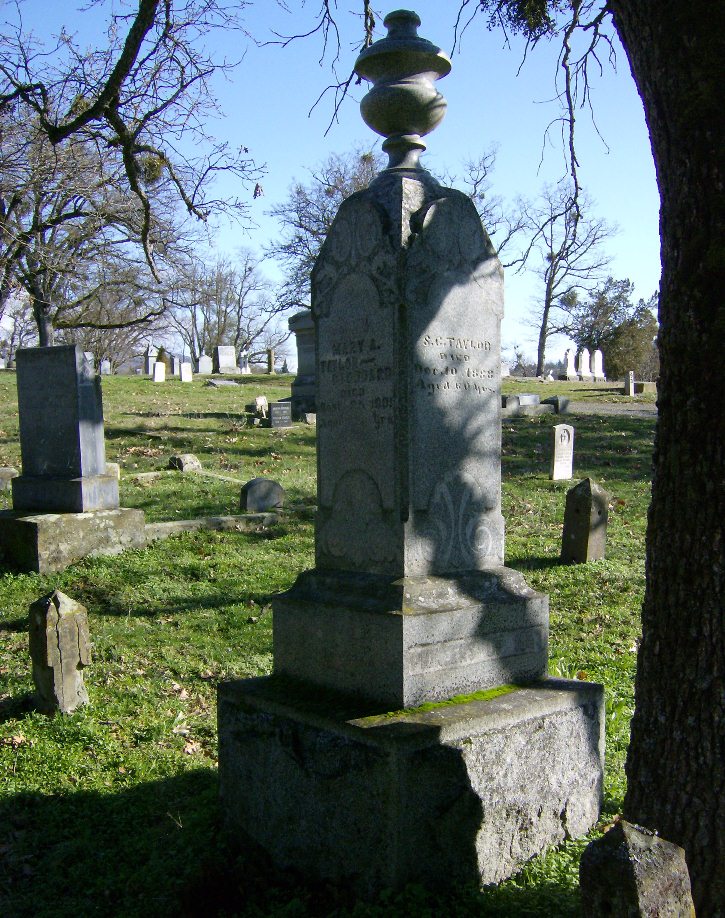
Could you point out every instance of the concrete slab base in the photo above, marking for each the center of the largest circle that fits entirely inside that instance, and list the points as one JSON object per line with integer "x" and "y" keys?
{"x": 460, "y": 793}
{"x": 47, "y": 542}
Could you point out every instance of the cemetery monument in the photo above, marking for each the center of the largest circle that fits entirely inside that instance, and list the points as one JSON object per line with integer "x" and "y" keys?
{"x": 303, "y": 386}
{"x": 562, "y": 452}
{"x": 65, "y": 504}
{"x": 224, "y": 360}
{"x": 598, "y": 366}
{"x": 330, "y": 764}
{"x": 585, "y": 372}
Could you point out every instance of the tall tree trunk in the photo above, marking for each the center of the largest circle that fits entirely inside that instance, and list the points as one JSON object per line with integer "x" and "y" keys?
{"x": 676, "y": 760}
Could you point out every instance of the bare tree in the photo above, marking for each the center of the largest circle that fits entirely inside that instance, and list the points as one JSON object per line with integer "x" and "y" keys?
{"x": 226, "y": 303}
{"x": 565, "y": 253}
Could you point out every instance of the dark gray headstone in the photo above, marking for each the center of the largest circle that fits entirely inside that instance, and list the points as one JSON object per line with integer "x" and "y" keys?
{"x": 280, "y": 414}
{"x": 61, "y": 434}
{"x": 60, "y": 648}
{"x": 585, "y": 523}
{"x": 632, "y": 871}
{"x": 260, "y": 495}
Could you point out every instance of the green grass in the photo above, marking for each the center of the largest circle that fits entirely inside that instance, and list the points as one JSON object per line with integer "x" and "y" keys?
{"x": 113, "y": 811}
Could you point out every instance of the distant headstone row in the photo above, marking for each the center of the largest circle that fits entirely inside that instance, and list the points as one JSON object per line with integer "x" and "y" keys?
{"x": 583, "y": 366}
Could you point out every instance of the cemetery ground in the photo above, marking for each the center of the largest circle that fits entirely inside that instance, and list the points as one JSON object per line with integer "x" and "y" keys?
{"x": 113, "y": 810}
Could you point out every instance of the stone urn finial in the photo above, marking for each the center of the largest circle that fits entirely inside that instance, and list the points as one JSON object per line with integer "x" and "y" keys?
{"x": 403, "y": 104}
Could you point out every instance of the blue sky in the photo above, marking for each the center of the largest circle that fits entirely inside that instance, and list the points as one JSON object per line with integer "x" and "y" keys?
{"x": 492, "y": 100}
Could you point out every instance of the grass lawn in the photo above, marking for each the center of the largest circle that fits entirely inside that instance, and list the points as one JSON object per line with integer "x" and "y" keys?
{"x": 113, "y": 811}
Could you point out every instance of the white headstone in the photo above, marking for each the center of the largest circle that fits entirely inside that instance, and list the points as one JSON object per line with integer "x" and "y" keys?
{"x": 598, "y": 366}
{"x": 570, "y": 371}
{"x": 105, "y": 368}
{"x": 149, "y": 359}
{"x": 185, "y": 372}
{"x": 629, "y": 383}
{"x": 244, "y": 363}
{"x": 225, "y": 360}
{"x": 562, "y": 452}
{"x": 585, "y": 372}
{"x": 204, "y": 365}
{"x": 159, "y": 371}
{"x": 175, "y": 366}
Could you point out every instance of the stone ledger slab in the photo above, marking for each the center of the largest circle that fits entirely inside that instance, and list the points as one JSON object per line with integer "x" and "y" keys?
{"x": 404, "y": 642}
{"x": 49, "y": 542}
{"x": 464, "y": 793}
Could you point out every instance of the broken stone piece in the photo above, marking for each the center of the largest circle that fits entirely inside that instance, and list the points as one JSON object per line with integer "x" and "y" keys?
{"x": 186, "y": 462}
{"x": 60, "y": 648}
{"x": 631, "y": 871}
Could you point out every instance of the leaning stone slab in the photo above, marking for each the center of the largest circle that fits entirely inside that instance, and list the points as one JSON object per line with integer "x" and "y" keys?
{"x": 49, "y": 542}
{"x": 584, "y": 537}
{"x": 60, "y": 648}
{"x": 185, "y": 462}
{"x": 560, "y": 403}
{"x": 630, "y": 871}
{"x": 463, "y": 793}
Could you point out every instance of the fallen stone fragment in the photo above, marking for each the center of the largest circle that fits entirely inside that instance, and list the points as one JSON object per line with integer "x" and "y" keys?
{"x": 186, "y": 462}
{"x": 60, "y": 648}
{"x": 633, "y": 873}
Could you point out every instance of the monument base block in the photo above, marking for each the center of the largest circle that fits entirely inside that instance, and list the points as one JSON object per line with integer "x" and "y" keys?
{"x": 403, "y": 642}
{"x": 47, "y": 542}
{"x": 461, "y": 792}
{"x": 65, "y": 495}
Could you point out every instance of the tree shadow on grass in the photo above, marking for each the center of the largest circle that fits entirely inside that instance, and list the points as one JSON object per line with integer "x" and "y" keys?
{"x": 157, "y": 848}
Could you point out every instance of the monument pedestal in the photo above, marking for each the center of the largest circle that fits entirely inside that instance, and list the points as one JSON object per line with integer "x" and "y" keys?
{"x": 48, "y": 542}
{"x": 461, "y": 792}
{"x": 65, "y": 495}
{"x": 402, "y": 642}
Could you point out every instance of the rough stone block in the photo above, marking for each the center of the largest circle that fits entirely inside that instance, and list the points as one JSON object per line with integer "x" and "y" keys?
{"x": 584, "y": 537}
{"x": 60, "y": 648}
{"x": 7, "y": 473}
{"x": 404, "y": 642}
{"x": 49, "y": 542}
{"x": 462, "y": 793}
{"x": 186, "y": 462}
{"x": 65, "y": 495}
{"x": 631, "y": 871}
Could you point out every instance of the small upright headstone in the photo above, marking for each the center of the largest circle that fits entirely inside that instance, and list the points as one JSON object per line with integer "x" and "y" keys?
{"x": 570, "y": 369}
{"x": 270, "y": 360}
{"x": 159, "y": 371}
{"x": 585, "y": 523}
{"x": 244, "y": 367}
{"x": 3, "y": 363}
{"x": 585, "y": 372}
{"x": 185, "y": 372}
{"x": 225, "y": 360}
{"x": 280, "y": 414}
{"x": 598, "y": 366}
{"x": 105, "y": 368}
{"x": 562, "y": 452}
{"x": 59, "y": 647}
{"x": 629, "y": 386}
{"x": 175, "y": 366}
{"x": 260, "y": 495}
{"x": 204, "y": 365}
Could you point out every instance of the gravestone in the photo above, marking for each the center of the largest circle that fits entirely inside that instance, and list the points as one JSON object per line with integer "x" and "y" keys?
{"x": 409, "y": 601}
{"x": 185, "y": 462}
{"x": 3, "y": 363}
{"x": 105, "y": 368}
{"x": 7, "y": 473}
{"x": 529, "y": 399}
{"x": 224, "y": 360}
{"x": 149, "y": 359}
{"x": 175, "y": 366}
{"x": 598, "y": 366}
{"x": 562, "y": 452}
{"x": 629, "y": 384}
{"x": 585, "y": 372}
{"x": 260, "y": 495}
{"x": 270, "y": 360}
{"x": 585, "y": 523}
{"x": 570, "y": 372}
{"x": 185, "y": 372}
{"x": 61, "y": 434}
{"x": 204, "y": 365}
{"x": 60, "y": 649}
{"x": 280, "y": 414}
{"x": 244, "y": 367}
{"x": 65, "y": 504}
{"x": 159, "y": 372}
{"x": 303, "y": 385}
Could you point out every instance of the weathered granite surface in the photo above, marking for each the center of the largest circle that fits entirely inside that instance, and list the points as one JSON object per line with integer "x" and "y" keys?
{"x": 303, "y": 385}
{"x": 403, "y": 642}
{"x": 584, "y": 536}
{"x": 632, "y": 871}
{"x": 60, "y": 648}
{"x": 49, "y": 542}
{"x": 464, "y": 793}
